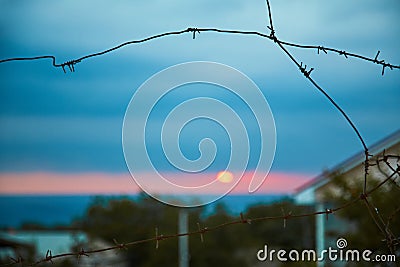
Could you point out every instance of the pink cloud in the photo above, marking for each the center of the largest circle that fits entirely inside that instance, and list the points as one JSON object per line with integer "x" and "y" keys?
{"x": 62, "y": 183}
{"x": 109, "y": 183}
{"x": 276, "y": 182}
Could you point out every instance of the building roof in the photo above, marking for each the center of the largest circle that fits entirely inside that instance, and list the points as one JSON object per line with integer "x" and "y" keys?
{"x": 351, "y": 162}
{"x": 8, "y": 243}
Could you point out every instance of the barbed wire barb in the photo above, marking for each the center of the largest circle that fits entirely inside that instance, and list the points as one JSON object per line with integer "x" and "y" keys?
{"x": 272, "y": 36}
{"x": 202, "y": 231}
{"x": 377, "y": 218}
{"x": 120, "y": 245}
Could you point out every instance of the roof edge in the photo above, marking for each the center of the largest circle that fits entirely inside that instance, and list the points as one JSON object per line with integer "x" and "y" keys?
{"x": 353, "y": 161}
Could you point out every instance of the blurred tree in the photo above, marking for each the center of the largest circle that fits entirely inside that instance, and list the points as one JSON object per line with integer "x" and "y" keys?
{"x": 236, "y": 245}
{"x": 123, "y": 220}
{"x": 221, "y": 247}
{"x": 295, "y": 233}
{"x": 361, "y": 230}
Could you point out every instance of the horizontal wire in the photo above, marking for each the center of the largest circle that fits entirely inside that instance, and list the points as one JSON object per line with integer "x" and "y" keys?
{"x": 364, "y": 196}
{"x": 198, "y": 30}
{"x": 201, "y": 231}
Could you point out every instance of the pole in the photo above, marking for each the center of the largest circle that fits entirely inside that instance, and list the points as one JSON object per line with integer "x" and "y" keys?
{"x": 320, "y": 233}
{"x": 183, "y": 240}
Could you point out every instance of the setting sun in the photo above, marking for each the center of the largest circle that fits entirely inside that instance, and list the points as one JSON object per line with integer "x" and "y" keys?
{"x": 225, "y": 177}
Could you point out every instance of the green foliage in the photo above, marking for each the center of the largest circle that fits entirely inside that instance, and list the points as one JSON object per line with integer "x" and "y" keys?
{"x": 123, "y": 220}
{"x": 361, "y": 231}
{"x": 235, "y": 245}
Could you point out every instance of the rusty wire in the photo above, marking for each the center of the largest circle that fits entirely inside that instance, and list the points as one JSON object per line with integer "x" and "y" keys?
{"x": 384, "y": 228}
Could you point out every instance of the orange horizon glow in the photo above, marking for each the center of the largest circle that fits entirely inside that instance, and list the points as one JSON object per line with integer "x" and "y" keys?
{"x": 50, "y": 183}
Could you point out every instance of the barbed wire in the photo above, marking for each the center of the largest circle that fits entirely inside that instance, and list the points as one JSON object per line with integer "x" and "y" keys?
{"x": 390, "y": 238}
{"x": 372, "y": 210}
{"x": 71, "y": 63}
{"x": 272, "y": 36}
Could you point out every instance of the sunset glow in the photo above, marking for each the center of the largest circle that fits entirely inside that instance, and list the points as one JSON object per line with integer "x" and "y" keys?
{"x": 48, "y": 183}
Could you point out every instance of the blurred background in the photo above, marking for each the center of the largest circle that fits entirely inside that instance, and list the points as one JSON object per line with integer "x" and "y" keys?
{"x": 64, "y": 183}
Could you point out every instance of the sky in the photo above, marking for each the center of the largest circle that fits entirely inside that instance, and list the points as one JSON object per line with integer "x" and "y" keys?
{"x": 62, "y": 132}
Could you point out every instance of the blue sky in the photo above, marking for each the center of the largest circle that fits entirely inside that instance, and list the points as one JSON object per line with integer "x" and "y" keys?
{"x": 51, "y": 121}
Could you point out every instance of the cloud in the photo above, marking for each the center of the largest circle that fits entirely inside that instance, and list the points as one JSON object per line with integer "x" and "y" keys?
{"x": 39, "y": 183}
{"x": 57, "y": 183}
{"x": 72, "y": 122}
{"x": 96, "y": 25}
